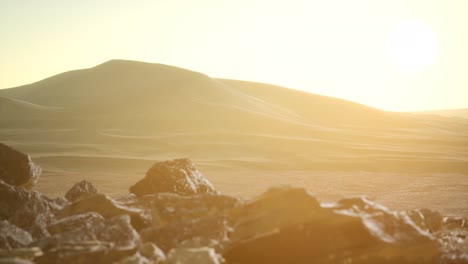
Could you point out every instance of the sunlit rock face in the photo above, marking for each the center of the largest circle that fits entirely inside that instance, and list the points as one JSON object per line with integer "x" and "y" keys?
{"x": 289, "y": 226}
{"x": 175, "y": 176}
{"x": 16, "y": 168}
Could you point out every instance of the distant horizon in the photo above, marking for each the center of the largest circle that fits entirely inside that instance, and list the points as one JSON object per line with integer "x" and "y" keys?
{"x": 254, "y": 81}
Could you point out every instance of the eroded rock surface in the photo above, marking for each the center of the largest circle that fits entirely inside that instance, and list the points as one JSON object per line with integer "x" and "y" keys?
{"x": 175, "y": 176}
{"x": 16, "y": 168}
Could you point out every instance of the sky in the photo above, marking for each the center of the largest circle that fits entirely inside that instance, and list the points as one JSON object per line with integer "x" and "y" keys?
{"x": 398, "y": 55}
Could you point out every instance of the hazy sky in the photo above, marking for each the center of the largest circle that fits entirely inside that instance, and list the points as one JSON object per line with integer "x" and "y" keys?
{"x": 394, "y": 55}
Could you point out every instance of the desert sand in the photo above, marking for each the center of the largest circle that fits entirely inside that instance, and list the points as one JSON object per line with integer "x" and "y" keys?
{"x": 110, "y": 123}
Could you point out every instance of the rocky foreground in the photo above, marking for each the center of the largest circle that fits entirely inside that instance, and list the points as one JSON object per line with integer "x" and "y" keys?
{"x": 174, "y": 215}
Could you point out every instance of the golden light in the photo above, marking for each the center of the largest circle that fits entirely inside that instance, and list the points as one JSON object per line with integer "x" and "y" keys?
{"x": 412, "y": 46}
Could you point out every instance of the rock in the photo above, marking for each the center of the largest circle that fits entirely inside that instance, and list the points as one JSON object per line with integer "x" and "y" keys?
{"x": 117, "y": 231}
{"x": 107, "y": 207}
{"x": 178, "y": 218}
{"x": 104, "y": 241}
{"x": 171, "y": 235}
{"x": 276, "y": 208}
{"x": 194, "y": 256}
{"x": 426, "y": 219}
{"x": 75, "y": 222}
{"x": 169, "y": 207}
{"x": 152, "y": 252}
{"x": 148, "y": 253}
{"x": 176, "y": 176}
{"x": 81, "y": 190}
{"x": 289, "y": 226}
{"x": 12, "y": 236}
{"x": 29, "y": 210}
{"x": 16, "y": 168}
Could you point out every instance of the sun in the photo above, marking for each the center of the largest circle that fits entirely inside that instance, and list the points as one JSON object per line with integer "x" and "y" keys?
{"x": 412, "y": 46}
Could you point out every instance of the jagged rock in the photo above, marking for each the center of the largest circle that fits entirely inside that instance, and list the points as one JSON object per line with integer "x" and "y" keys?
{"x": 454, "y": 222}
{"x": 171, "y": 235}
{"x": 151, "y": 251}
{"x": 29, "y": 210}
{"x": 289, "y": 226}
{"x": 194, "y": 256}
{"x": 169, "y": 207}
{"x": 81, "y": 190}
{"x": 117, "y": 231}
{"x": 276, "y": 208}
{"x": 178, "y": 218}
{"x": 106, "y": 207}
{"x": 13, "y": 198}
{"x": 147, "y": 253}
{"x": 16, "y": 168}
{"x": 176, "y": 176}
{"x": 103, "y": 241}
{"x": 75, "y": 222}
{"x": 12, "y": 236}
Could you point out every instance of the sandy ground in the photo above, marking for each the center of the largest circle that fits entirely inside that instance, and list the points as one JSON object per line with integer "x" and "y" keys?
{"x": 447, "y": 193}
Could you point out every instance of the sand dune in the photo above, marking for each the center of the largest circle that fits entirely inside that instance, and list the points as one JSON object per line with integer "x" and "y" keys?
{"x": 461, "y": 113}
{"x": 111, "y": 121}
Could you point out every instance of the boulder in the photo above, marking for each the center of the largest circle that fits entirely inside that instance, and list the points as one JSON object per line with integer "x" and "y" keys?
{"x": 107, "y": 207}
{"x": 16, "y": 168}
{"x": 12, "y": 236}
{"x": 176, "y": 176}
{"x": 81, "y": 190}
{"x": 289, "y": 226}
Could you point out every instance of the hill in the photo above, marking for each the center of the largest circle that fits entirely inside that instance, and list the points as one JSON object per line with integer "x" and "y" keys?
{"x": 135, "y": 111}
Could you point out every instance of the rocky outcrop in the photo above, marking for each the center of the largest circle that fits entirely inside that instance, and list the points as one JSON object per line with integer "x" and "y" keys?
{"x": 175, "y": 176}
{"x": 81, "y": 190}
{"x": 188, "y": 223}
{"x": 16, "y": 168}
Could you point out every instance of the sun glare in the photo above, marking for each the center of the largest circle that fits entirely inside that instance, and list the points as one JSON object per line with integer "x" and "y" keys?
{"x": 412, "y": 46}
